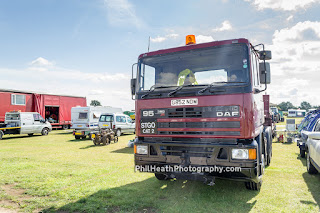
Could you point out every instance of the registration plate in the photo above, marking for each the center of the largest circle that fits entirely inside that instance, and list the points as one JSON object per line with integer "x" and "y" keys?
{"x": 78, "y": 133}
{"x": 183, "y": 102}
{"x": 79, "y": 125}
{"x": 105, "y": 124}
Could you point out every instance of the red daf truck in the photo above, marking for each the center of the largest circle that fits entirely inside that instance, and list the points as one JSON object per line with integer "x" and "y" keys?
{"x": 200, "y": 112}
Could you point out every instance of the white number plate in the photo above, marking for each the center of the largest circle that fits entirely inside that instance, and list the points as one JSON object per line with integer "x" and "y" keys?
{"x": 182, "y": 102}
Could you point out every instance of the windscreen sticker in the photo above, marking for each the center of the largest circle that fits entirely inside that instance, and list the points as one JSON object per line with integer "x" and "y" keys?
{"x": 245, "y": 65}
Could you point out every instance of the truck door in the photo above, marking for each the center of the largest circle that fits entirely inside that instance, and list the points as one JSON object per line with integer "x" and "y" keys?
{"x": 37, "y": 125}
{"x": 26, "y": 123}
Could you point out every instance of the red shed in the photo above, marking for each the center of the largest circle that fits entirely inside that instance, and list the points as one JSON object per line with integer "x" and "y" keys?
{"x": 55, "y": 108}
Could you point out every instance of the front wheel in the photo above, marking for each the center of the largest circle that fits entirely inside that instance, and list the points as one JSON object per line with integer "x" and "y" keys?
{"x": 302, "y": 153}
{"x": 45, "y": 131}
{"x": 253, "y": 185}
{"x": 310, "y": 168}
{"x": 161, "y": 176}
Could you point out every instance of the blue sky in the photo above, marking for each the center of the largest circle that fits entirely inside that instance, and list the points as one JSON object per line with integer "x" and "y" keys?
{"x": 86, "y": 48}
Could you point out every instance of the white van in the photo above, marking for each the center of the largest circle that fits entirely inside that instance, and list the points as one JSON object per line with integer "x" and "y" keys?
{"x": 119, "y": 122}
{"x": 84, "y": 120}
{"x": 24, "y": 123}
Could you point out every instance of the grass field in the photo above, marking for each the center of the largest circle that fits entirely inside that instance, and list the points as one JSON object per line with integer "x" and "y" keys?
{"x": 56, "y": 173}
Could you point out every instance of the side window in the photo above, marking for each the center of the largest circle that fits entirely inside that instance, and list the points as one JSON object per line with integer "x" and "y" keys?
{"x": 83, "y": 115}
{"x": 121, "y": 119}
{"x": 18, "y": 99}
{"x": 317, "y": 128}
{"x": 255, "y": 71}
{"x": 36, "y": 117}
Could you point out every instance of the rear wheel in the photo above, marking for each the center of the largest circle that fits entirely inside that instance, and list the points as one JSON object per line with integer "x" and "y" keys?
{"x": 83, "y": 137}
{"x": 30, "y": 134}
{"x": 253, "y": 185}
{"x": 65, "y": 127}
{"x": 1, "y": 134}
{"x": 310, "y": 168}
{"x": 77, "y": 137}
{"x": 45, "y": 131}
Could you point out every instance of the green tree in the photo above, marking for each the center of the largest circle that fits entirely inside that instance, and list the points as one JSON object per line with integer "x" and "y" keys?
{"x": 284, "y": 106}
{"x": 305, "y": 105}
{"x": 95, "y": 103}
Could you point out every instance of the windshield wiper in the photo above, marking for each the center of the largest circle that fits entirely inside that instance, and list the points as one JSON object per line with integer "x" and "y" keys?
{"x": 153, "y": 88}
{"x": 219, "y": 82}
{"x": 180, "y": 88}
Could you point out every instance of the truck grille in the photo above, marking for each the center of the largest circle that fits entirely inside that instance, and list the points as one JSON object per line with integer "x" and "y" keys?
{"x": 210, "y": 124}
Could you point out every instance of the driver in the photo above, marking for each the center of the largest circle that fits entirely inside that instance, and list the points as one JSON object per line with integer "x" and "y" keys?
{"x": 186, "y": 77}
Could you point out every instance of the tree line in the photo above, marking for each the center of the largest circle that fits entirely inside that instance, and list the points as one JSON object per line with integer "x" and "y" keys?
{"x": 284, "y": 106}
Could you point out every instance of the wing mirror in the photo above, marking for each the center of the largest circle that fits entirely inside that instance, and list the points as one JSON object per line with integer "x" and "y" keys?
{"x": 265, "y": 55}
{"x": 133, "y": 86}
{"x": 264, "y": 71}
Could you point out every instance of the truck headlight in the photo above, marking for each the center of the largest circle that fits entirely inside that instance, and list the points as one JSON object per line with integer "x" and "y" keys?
{"x": 244, "y": 154}
{"x": 141, "y": 149}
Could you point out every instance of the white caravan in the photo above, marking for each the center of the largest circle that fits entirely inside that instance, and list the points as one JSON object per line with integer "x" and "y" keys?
{"x": 84, "y": 120}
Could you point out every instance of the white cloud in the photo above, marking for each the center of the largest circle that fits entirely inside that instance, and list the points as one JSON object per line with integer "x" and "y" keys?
{"x": 225, "y": 26}
{"x": 122, "y": 12}
{"x": 111, "y": 89}
{"x": 290, "y": 18}
{"x": 288, "y": 5}
{"x": 203, "y": 39}
{"x": 160, "y": 39}
{"x": 295, "y": 64}
{"x": 41, "y": 62}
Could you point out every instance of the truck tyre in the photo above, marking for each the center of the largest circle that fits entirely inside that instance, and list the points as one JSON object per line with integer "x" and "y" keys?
{"x": 30, "y": 134}
{"x": 65, "y": 127}
{"x": 45, "y": 131}
{"x": 302, "y": 153}
{"x": 253, "y": 185}
{"x": 118, "y": 132}
{"x": 161, "y": 176}
{"x": 310, "y": 168}
{"x": 77, "y": 137}
{"x": 1, "y": 134}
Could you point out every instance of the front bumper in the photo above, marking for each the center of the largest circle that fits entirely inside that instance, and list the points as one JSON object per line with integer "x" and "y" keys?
{"x": 206, "y": 160}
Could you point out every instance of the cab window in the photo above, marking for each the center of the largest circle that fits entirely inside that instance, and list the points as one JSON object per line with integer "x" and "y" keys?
{"x": 36, "y": 117}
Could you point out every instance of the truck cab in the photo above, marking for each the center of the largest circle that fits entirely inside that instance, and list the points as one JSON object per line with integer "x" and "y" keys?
{"x": 202, "y": 106}
{"x": 25, "y": 123}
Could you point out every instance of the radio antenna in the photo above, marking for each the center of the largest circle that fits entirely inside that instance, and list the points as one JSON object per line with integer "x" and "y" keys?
{"x": 149, "y": 44}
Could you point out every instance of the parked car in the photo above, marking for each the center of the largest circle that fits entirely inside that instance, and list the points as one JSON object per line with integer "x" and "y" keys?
{"x": 313, "y": 149}
{"x": 84, "y": 120}
{"x": 119, "y": 122}
{"x": 305, "y": 127}
{"x": 24, "y": 123}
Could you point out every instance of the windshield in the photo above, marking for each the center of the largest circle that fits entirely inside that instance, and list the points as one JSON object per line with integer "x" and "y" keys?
{"x": 227, "y": 63}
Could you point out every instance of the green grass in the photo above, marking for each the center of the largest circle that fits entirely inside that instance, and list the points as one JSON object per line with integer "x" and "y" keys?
{"x": 59, "y": 174}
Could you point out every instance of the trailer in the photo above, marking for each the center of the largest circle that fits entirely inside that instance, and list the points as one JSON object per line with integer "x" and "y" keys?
{"x": 296, "y": 112}
{"x": 54, "y": 108}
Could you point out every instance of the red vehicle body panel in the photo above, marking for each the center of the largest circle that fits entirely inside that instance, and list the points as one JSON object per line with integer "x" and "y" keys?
{"x": 38, "y": 102}
{"x": 248, "y": 128}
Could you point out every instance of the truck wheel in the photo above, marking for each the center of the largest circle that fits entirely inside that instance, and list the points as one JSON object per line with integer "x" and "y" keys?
{"x": 253, "y": 185}
{"x": 45, "y": 131}
{"x": 77, "y": 137}
{"x": 1, "y": 134}
{"x": 65, "y": 127}
{"x": 302, "y": 153}
{"x": 30, "y": 134}
{"x": 118, "y": 132}
{"x": 310, "y": 168}
{"x": 161, "y": 176}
